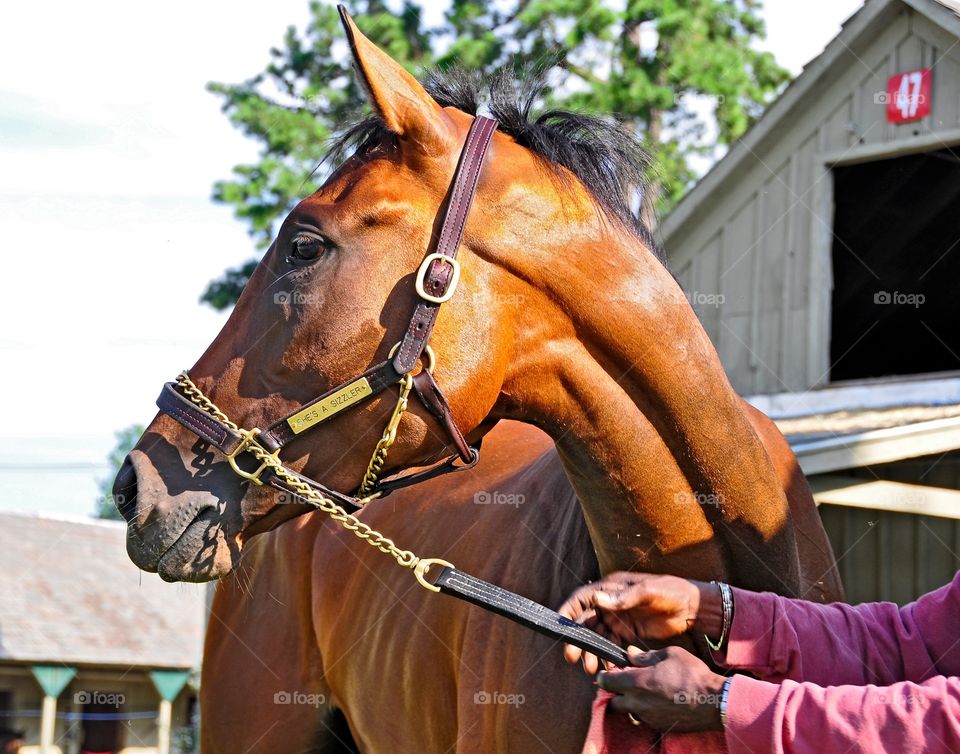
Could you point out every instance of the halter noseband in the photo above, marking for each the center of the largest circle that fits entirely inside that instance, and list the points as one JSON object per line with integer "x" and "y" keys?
{"x": 436, "y": 283}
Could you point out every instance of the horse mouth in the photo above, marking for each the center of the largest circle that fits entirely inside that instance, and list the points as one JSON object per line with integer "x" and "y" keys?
{"x": 204, "y": 551}
{"x": 196, "y": 554}
{"x": 192, "y": 556}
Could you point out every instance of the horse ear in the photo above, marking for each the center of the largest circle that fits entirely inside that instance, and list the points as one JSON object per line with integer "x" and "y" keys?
{"x": 405, "y": 106}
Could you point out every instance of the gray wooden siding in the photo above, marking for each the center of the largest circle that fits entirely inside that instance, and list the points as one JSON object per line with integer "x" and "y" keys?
{"x": 891, "y": 557}
{"x": 762, "y": 241}
{"x": 896, "y": 556}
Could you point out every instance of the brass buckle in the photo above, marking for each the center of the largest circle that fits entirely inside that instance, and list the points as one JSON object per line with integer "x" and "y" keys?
{"x": 420, "y": 571}
{"x": 249, "y": 440}
{"x": 422, "y": 274}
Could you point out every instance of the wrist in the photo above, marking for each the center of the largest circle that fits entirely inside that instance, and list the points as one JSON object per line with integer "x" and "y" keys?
{"x": 709, "y": 617}
{"x": 715, "y": 697}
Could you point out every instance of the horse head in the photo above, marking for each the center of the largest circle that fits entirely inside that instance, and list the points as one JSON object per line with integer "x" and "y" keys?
{"x": 333, "y": 295}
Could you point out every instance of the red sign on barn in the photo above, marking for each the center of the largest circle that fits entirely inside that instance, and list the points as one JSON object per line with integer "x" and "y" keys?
{"x": 908, "y": 96}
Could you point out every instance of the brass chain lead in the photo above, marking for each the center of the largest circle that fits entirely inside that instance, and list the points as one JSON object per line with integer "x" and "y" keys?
{"x": 379, "y": 457}
{"x": 311, "y": 496}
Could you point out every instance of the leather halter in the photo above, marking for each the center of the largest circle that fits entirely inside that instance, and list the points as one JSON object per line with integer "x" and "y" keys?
{"x": 436, "y": 282}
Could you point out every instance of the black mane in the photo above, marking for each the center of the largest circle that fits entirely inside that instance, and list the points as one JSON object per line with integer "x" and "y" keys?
{"x": 609, "y": 162}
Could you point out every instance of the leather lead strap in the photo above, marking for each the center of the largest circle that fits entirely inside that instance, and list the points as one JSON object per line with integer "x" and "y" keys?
{"x": 527, "y": 613}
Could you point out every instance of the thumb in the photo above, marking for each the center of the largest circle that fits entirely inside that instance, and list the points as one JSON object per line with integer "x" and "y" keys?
{"x": 623, "y": 599}
{"x": 643, "y": 659}
{"x": 610, "y": 600}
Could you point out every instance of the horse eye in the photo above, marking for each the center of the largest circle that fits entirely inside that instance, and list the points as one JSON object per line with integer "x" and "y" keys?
{"x": 306, "y": 247}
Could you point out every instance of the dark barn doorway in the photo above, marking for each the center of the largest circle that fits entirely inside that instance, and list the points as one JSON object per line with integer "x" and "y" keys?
{"x": 896, "y": 267}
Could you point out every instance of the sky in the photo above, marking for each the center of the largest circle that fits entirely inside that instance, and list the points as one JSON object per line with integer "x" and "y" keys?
{"x": 109, "y": 146}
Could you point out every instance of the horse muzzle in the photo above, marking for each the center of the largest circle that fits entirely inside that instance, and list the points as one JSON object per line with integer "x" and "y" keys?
{"x": 183, "y": 534}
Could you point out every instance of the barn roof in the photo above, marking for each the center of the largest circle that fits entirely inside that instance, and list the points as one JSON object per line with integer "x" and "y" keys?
{"x": 70, "y": 594}
{"x": 862, "y": 25}
{"x": 840, "y": 428}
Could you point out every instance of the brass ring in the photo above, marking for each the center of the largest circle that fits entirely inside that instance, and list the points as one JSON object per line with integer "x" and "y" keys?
{"x": 423, "y": 565}
{"x": 431, "y": 357}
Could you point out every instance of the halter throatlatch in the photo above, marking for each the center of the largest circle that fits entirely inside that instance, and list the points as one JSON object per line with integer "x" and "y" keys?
{"x": 436, "y": 282}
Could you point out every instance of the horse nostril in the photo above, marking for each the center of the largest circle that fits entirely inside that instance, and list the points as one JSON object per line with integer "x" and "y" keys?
{"x": 125, "y": 490}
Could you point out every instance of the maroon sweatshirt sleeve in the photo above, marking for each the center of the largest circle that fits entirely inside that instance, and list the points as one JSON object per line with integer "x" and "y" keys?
{"x": 803, "y": 718}
{"x": 778, "y": 638}
{"x": 866, "y": 678}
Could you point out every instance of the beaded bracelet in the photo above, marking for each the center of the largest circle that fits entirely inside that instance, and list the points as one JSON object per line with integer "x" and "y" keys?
{"x": 726, "y": 598}
{"x": 724, "y": 695}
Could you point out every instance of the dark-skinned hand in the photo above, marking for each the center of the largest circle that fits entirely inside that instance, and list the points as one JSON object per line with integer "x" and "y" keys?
{"x": 668, "y": 689}
{"x": 632, "y": 608}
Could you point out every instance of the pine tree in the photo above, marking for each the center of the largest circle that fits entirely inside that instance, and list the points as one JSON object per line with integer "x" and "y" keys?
{"x": 664, "y": 68}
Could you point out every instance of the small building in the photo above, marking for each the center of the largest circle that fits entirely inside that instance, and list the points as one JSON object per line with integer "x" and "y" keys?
{"x": 95, "y": 655}
{"x": 821, "y": 255}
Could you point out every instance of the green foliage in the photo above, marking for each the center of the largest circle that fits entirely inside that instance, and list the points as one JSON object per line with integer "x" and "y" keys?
{"x": 126, "y": 439}
{"x": 664, "y": 68}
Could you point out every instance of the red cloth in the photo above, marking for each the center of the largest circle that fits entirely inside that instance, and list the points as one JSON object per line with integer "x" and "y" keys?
{"x": 615, "y": 733}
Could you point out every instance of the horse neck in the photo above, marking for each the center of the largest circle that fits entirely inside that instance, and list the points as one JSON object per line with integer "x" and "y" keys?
{"x": 668, "y": 469}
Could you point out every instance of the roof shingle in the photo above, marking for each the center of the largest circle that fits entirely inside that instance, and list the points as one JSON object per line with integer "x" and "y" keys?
{"x": 68, "y": 593}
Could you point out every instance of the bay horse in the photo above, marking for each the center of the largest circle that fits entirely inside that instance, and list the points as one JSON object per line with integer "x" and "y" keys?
{"x": 570, "y": 323}
{"x": 313, "y": 611}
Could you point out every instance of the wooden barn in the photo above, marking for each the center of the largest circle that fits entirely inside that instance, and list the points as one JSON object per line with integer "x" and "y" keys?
{"x": 96, "y": 657}
{"x": 822, "y": 254}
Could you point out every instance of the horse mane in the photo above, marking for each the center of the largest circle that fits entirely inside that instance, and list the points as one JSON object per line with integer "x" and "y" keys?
{"x": 608, "y": 160}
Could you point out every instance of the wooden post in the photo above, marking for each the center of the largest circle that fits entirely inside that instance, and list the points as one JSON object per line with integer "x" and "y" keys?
{"x": 168, "y": 683}
{"x": 53, "y": 679}
{"x": 48, "y": 724}
{"x": 164, "y": 717}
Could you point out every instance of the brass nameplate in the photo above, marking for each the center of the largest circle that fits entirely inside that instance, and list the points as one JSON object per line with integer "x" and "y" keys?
{"x": 327, "y": 407}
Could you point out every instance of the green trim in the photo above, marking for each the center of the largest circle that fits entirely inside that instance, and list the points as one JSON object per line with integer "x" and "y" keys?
{"x": 169, "y": 683}
{"x": 53, "y": 679}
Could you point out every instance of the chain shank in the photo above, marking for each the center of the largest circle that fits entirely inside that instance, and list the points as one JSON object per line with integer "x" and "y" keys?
{"x": 384, "y": 444}
{"x": 310, "y": 496}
